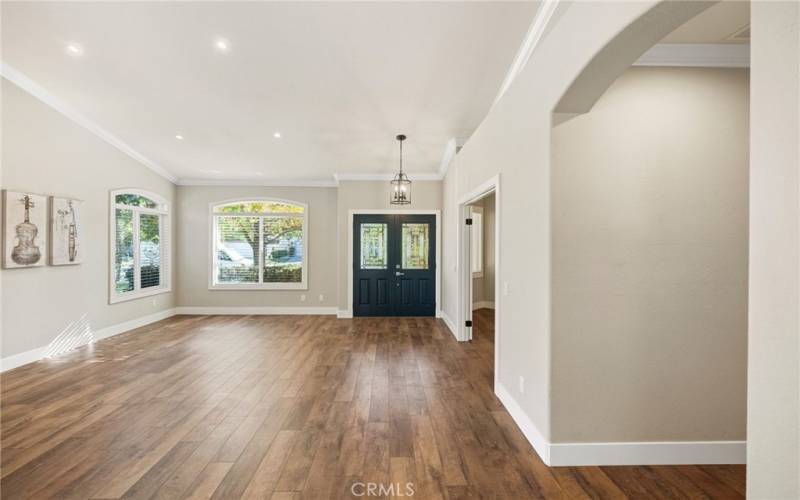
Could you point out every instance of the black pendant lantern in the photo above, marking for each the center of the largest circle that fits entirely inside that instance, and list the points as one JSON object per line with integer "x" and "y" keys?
{"x": 401, "y": 184}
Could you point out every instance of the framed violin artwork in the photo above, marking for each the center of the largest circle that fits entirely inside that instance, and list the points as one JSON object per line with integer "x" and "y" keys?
{"x": 24, "y": 229}
{"x": 65, "y": 231}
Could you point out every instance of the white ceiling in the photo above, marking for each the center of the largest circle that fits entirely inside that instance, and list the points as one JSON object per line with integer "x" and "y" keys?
{"x": 714, "y": 25}
{"x": 338, "y": 80}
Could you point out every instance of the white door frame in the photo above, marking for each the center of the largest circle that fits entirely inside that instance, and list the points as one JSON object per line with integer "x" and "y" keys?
{"x": 391, "y": 211}
{"x": 464, "y": 267}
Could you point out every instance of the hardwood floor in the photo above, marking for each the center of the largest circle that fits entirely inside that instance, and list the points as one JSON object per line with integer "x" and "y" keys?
{"x": 290, "y": 407}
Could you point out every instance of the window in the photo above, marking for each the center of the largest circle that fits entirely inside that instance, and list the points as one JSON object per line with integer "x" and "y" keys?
{"x": 259, "y": 244}
{"x": 476, "y": 250}
{"x": 139, "y": 245}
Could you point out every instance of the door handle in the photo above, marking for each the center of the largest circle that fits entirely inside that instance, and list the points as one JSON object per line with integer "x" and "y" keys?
{"x": 398, "y": 273}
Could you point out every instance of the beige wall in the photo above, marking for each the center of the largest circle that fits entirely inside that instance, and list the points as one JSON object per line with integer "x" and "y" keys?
{"x": 649, "y": 269}
{"x": 44, "y": 152}
{"x": 193, "y": 243}
{"x": 773, "y": 423}
{"x": 354, "y": 195}
{"x": 514, "y": 142}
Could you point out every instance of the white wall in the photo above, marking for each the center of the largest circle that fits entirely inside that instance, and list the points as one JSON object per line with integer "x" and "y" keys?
{"x": 44, "y": 152}
{"x": 355, "y": 195}
{"x": 449, "y": 230}
{"x": 649, "y": 260}
{"x": 773, "y": 420}
{"x": 193, "y": 240}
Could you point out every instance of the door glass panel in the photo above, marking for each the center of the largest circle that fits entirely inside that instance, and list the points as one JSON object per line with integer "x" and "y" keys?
{"x": 374, "y": 246}
{"x": 415, "y": 246}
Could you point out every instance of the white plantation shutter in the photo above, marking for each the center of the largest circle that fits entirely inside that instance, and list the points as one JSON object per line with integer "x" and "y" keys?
{"x": 123, "y": 254}
{"x": 140, "y": 245}
{"x": 149, "y": 250}
{"x": 237, "y": 262}
{"x": 282, "y": 249}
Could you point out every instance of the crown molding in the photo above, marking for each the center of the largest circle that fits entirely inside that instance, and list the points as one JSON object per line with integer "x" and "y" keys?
{"x": 385, "y": 177}
{"x": 535, "y": 33}
{"x": 702, "y": 55}
{"x": 22, "y": 81}
{"x": 450, "y": 151}
{"x": 304, "y": 182}
{"x": 259, "y": 182}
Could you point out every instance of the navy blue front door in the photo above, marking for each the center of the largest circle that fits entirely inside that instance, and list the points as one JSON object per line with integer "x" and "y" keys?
{"x": 394, "y": 265}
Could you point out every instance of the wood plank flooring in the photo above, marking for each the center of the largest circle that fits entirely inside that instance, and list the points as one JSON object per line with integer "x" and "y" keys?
{"x": 292, "y": 407}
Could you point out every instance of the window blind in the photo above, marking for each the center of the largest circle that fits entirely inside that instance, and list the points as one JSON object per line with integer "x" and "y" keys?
{"x": 237, "y": 249}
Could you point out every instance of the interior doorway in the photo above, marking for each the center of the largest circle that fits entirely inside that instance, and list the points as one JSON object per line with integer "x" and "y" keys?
{"x": 482, "y": 284}
{"x": 394, "y": 264}
{"x": 479, "y": 267}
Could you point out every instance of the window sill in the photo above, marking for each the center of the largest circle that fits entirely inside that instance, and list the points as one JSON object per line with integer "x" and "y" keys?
{"x": 260, "y": 287}
{"x": 117, "y": 298}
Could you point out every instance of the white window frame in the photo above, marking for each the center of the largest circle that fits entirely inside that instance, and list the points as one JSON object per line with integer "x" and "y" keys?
{"x": 212, "y": 234}
{"x": 164, "y": 241}
{"x": 476, "y": 240}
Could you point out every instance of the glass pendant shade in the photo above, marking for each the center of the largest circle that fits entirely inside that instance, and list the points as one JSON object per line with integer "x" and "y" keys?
{"x": 400, "y": 192}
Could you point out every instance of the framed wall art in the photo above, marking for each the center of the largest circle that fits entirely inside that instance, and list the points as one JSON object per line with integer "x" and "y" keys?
{"x": 24, "y": 229}
{"x": 66, "y": 232}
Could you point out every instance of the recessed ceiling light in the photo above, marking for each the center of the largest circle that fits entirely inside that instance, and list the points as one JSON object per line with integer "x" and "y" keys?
{"x": 222, "y": 45}
{"x": 74, "y": 49}
{"x": 276, "y": 135}
{"x": 179, "y": 137}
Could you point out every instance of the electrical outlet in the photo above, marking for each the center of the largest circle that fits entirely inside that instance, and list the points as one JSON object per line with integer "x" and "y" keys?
{"x": 155, "y": 303}
{"x": 505, "y": 288}
{"x": 521, "y": 384}
{"x": 302, "y": 297}
{"x": 321, "y": 297}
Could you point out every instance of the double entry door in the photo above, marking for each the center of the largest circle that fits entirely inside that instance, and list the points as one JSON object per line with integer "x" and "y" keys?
{"x": 394, "y": 265}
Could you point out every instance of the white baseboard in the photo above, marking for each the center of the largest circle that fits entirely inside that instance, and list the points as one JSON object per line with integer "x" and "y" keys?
{"x": 525, "y": 424}
{"x": 644, "y": 453}
{"x": 622, "y": 453}
{"x": 483, "y": 304}
{"x": 112, "y": 330}
{"x": 256, "y": 310}
{"x": 23, "y": 358}
{"x": 450, "y": 324}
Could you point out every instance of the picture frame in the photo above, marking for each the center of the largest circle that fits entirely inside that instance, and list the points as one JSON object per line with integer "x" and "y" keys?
{"x": 25, "y": 230}
{"x": 66, "y": 231}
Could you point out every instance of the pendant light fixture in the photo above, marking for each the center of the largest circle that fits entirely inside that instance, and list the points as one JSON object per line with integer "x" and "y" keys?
{"x": 401, "y": 184}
